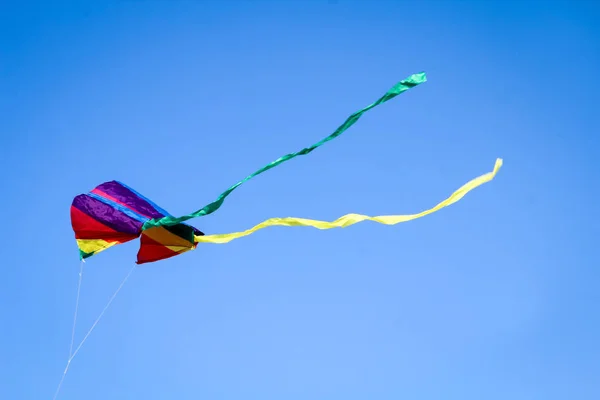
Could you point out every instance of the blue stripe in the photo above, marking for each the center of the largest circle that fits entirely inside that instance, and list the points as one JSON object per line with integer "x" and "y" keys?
{"x": 121, "y": 208}
{"x": 156, "y": 207}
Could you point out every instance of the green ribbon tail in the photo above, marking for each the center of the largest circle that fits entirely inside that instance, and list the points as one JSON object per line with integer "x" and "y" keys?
{"x": 400, "y": 87}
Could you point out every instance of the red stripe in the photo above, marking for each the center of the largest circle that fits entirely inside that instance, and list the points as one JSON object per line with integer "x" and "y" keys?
{"x": 151, "y": 250}
{"x": 86, "y": 227}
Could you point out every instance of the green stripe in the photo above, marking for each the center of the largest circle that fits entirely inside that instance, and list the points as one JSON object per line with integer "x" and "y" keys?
{"x": 83, "y": 255}
{"x": 185, "y": 232}
{"x": 399, "y": 88}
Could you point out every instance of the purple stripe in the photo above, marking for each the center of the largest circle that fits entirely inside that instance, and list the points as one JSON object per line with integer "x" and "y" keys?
{"x": 107, "y": 215}
{"x": 125, "y": 196}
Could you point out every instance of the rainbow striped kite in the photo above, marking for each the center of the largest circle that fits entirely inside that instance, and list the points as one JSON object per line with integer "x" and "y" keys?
{"x": 113, "y": 213}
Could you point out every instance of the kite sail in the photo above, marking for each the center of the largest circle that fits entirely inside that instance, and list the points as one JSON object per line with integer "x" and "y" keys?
{"x": 113, "y": 213}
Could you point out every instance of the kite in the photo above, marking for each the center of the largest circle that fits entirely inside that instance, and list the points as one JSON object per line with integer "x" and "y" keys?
{"x": 113, "y": 213}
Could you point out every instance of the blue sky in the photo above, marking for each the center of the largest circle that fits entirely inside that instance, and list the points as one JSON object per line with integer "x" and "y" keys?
{"x": 495, "y": 297}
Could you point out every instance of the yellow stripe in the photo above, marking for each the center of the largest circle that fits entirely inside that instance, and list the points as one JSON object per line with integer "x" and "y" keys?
{"x": 94, "y": 245}
{"x": 180, "y": 249}
{"x": 166, "y": 238}
{"x": 351, "y": 219}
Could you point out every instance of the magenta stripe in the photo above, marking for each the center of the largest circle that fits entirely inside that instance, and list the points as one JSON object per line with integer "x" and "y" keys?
{"x": 131, "y": 200}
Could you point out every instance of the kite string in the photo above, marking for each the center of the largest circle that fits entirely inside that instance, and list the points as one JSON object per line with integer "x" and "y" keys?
{"x": 72, "y": 355}
{"x": 76, "y": 309}
{"x": 102, "y": 313}
{"x": 73, "y": 329}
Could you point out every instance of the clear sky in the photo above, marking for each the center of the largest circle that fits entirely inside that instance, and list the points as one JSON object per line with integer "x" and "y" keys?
{"x": 493, "y": 298}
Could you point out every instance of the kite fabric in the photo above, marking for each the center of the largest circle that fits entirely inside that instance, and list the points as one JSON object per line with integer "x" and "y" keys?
{"x": 113, "y": 213}
{"x": 351, "y": 219}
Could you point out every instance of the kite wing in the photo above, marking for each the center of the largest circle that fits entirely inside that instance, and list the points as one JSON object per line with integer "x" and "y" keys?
{"x": 162, "y": 242}
{"x": 113, "y": 213}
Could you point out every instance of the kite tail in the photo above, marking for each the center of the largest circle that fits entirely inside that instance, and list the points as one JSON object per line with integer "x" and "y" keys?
{"x": 400, "y": 87}
{"x": 351, "y": 219}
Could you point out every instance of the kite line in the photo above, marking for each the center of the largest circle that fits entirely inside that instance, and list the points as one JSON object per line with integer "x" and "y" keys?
{"x": 72, "y": 330}
{"x": 72, "y": 353}
{"x": 399, "y": 88}
{"x": 76, "y": 308}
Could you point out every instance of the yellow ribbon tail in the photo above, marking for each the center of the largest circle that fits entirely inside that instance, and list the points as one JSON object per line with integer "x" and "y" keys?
{"x": 351, "y": 219}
